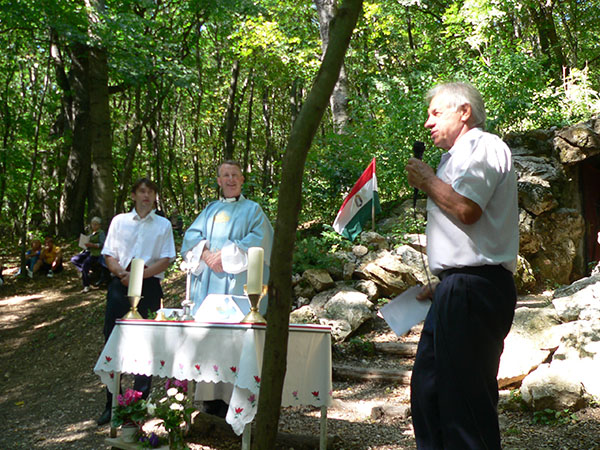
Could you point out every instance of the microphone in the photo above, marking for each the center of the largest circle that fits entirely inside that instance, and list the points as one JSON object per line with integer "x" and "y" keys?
{"x": 418, "y": 150}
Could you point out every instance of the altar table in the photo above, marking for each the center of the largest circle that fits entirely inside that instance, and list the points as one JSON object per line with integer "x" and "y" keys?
{"x": 219, "y": 352}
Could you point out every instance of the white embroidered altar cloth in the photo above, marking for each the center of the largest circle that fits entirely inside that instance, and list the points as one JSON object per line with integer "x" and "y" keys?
{"x": 214, "y": 352}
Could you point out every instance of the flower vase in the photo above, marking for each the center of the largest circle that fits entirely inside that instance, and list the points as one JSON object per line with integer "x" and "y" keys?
{"x": 128, "y": 433}
{"x": 176, "y": 441}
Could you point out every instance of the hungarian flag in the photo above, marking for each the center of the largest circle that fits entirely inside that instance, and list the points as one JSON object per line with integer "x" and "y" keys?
{"x": 360, "y": 205}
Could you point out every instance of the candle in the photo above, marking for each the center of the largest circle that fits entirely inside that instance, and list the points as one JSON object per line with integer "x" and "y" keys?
{"x": 255, "y": 270}
{"x": 136, "y": 277}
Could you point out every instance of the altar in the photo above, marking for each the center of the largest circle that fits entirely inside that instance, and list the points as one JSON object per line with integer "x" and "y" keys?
{"x": 221, "y": 352}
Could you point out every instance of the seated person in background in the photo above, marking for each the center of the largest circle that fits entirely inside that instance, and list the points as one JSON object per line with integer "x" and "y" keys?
{"x": 50, "y": 261}
{"x": 85, "y": 260}
{"x": 32, "y": 255}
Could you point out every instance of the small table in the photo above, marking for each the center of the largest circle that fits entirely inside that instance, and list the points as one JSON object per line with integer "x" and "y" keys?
{"x": 221, "y": 352}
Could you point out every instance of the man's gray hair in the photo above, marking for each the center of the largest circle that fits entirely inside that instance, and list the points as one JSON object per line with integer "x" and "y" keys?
{"x": 458, "y": 94}
{"x": 97, "y": 220}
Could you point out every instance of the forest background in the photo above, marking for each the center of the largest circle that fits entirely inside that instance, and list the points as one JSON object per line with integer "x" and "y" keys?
{"x": 96, "y": 93}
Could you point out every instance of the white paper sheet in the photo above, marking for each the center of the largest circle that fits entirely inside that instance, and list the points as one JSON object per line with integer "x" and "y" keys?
{"x": 405, "y": 311}
{"x": 83, "y": 239}
{"x": 223, "y": 308}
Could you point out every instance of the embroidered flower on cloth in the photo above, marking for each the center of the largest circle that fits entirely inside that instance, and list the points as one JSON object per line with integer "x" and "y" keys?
{"x": 252, "y": 400}
{"x": 108, "y": 359}
{"x": 197, "y": 366}
{"x": 315, "y": 395}
{"x": 295, "y": 394}
{"x": 238, "y": 412}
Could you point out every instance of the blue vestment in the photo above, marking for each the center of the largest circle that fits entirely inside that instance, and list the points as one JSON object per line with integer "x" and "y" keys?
{"x": 241, "y": 223}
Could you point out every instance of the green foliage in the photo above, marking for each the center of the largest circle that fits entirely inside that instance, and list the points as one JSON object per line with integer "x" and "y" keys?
{"x": 317, "y": 251}
{"x": 361, "y": 346}
{"x": 552, "y": 417}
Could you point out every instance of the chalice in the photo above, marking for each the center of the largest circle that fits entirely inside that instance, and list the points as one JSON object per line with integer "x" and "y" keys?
{"x": 254, "y": 316}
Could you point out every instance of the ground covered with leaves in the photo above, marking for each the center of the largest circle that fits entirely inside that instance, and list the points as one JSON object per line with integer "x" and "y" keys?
{"x": 51, "y": 336}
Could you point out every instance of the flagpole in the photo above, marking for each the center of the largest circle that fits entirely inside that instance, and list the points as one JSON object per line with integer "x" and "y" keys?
{"x": 373, "y": 203}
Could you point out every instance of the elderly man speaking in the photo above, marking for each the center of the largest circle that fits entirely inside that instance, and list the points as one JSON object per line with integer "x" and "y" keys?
{"x": 472, "y": 244}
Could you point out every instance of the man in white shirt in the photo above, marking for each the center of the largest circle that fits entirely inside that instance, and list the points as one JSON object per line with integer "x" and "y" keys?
{"x": 137, "y": 234}
{"x": 472, "y": 245}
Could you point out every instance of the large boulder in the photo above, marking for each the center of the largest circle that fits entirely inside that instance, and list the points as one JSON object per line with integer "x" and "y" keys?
{"x": 554, "y": 388}
{"x": 578, "y": 142}
{"x": 387, "y": 270}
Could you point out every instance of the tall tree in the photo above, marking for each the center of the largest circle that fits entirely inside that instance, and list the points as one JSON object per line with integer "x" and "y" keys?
{"x": 339, "y": 97}
{"x": 290, "y": 196}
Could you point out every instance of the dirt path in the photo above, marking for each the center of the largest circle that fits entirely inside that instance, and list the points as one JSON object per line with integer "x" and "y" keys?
{"x": 50, "y": 398}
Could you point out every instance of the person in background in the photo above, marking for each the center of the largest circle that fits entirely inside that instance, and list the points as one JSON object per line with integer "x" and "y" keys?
{"x": 50, "y": 260}
{"x": 32, "y": 255}
{"x": 143, "y": 234}
{"x": 472, "y": 244}
{"x": 90, "y": 257}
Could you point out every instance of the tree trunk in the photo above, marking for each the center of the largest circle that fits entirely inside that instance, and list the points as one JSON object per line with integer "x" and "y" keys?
{"x": 549, "y": 42}
{"x": 102, "y": 188}
{"x": 248, "y": 143}
{"x": 290, "y": 196}
{"x": 75, "y": 189}
{"x": 339, "y": 97}
{"x": 229, "y": 125}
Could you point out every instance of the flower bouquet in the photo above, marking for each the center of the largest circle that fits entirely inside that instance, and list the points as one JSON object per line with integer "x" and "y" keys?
{"x": 131, "y": 411}
{"x": 175, "y": 411}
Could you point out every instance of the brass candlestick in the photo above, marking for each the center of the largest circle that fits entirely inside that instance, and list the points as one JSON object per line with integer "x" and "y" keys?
{"x": 133, "y": 313}
{"x": 254, "y": 316}
{"x": 160, "y": 315}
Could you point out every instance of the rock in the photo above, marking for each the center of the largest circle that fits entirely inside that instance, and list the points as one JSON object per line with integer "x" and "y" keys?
{"x": 583, "y": 304}
{"x": 553, "y": 388}
{"x": 371, "y": 238}
{"x": 578, "y": 142}
{"x": 401, "y": 412}
{"x": 530, "y": 241}
{"x": 360, "y": 250}
{"x": 340, "y": 329}
{"x": 389, "y": 272}
{"x": 351, "y": 306}
{"x": 416, "y": 241}
{"x": 304, "y": 289}
{"x": 418, "y": 261}
{"x": 524, "y": 276}
{"x": 369, "y": 288}
{"x": 348, "y": 270}
{"x": 529, "y": 343}
{"x": 561, "y": 230}
{"x": 304, "y": 314}
{"x": 319, "y": 279}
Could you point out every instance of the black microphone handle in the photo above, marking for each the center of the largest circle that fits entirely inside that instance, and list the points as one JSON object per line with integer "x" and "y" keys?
{"x": 418, "y": 149}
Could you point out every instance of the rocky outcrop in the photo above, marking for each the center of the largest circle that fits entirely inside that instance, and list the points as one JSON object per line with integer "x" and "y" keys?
{"x": 553, "y": 351}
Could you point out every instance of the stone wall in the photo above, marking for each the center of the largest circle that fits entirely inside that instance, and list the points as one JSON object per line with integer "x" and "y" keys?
{"x": 551, "y": 215}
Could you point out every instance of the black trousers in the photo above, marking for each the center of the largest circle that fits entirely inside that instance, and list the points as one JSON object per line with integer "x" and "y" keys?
{"x": 454, "y": 392}
{"x": 117, "y": 305}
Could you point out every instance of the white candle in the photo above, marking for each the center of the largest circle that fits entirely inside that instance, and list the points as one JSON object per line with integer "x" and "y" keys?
{"x": 255, "y": 270}
{"x": 136, "y": 277}
{"x": 188, "y": 279}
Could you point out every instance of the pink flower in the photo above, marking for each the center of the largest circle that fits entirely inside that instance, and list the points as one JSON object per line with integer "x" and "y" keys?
{"x": 130, "y": 397}
{"x": 252, "y": 398}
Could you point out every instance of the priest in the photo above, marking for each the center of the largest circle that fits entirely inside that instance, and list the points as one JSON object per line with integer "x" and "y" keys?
{"x": 215, "y": 247}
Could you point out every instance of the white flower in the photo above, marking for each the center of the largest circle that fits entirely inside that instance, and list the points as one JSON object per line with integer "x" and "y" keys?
{"x": 151, "y": 407}
{"x": 176, "y": 407}
{"x": 171, "y": 392}
{"x": 180, "y": 397}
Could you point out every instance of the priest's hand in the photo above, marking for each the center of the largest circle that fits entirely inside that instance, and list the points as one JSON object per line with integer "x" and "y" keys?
{"x": 213, "y": 260}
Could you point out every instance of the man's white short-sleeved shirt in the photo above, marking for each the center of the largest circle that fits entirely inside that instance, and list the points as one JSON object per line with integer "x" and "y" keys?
{"x": 130, "y": 236}
{"x": 479, "y": 167}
